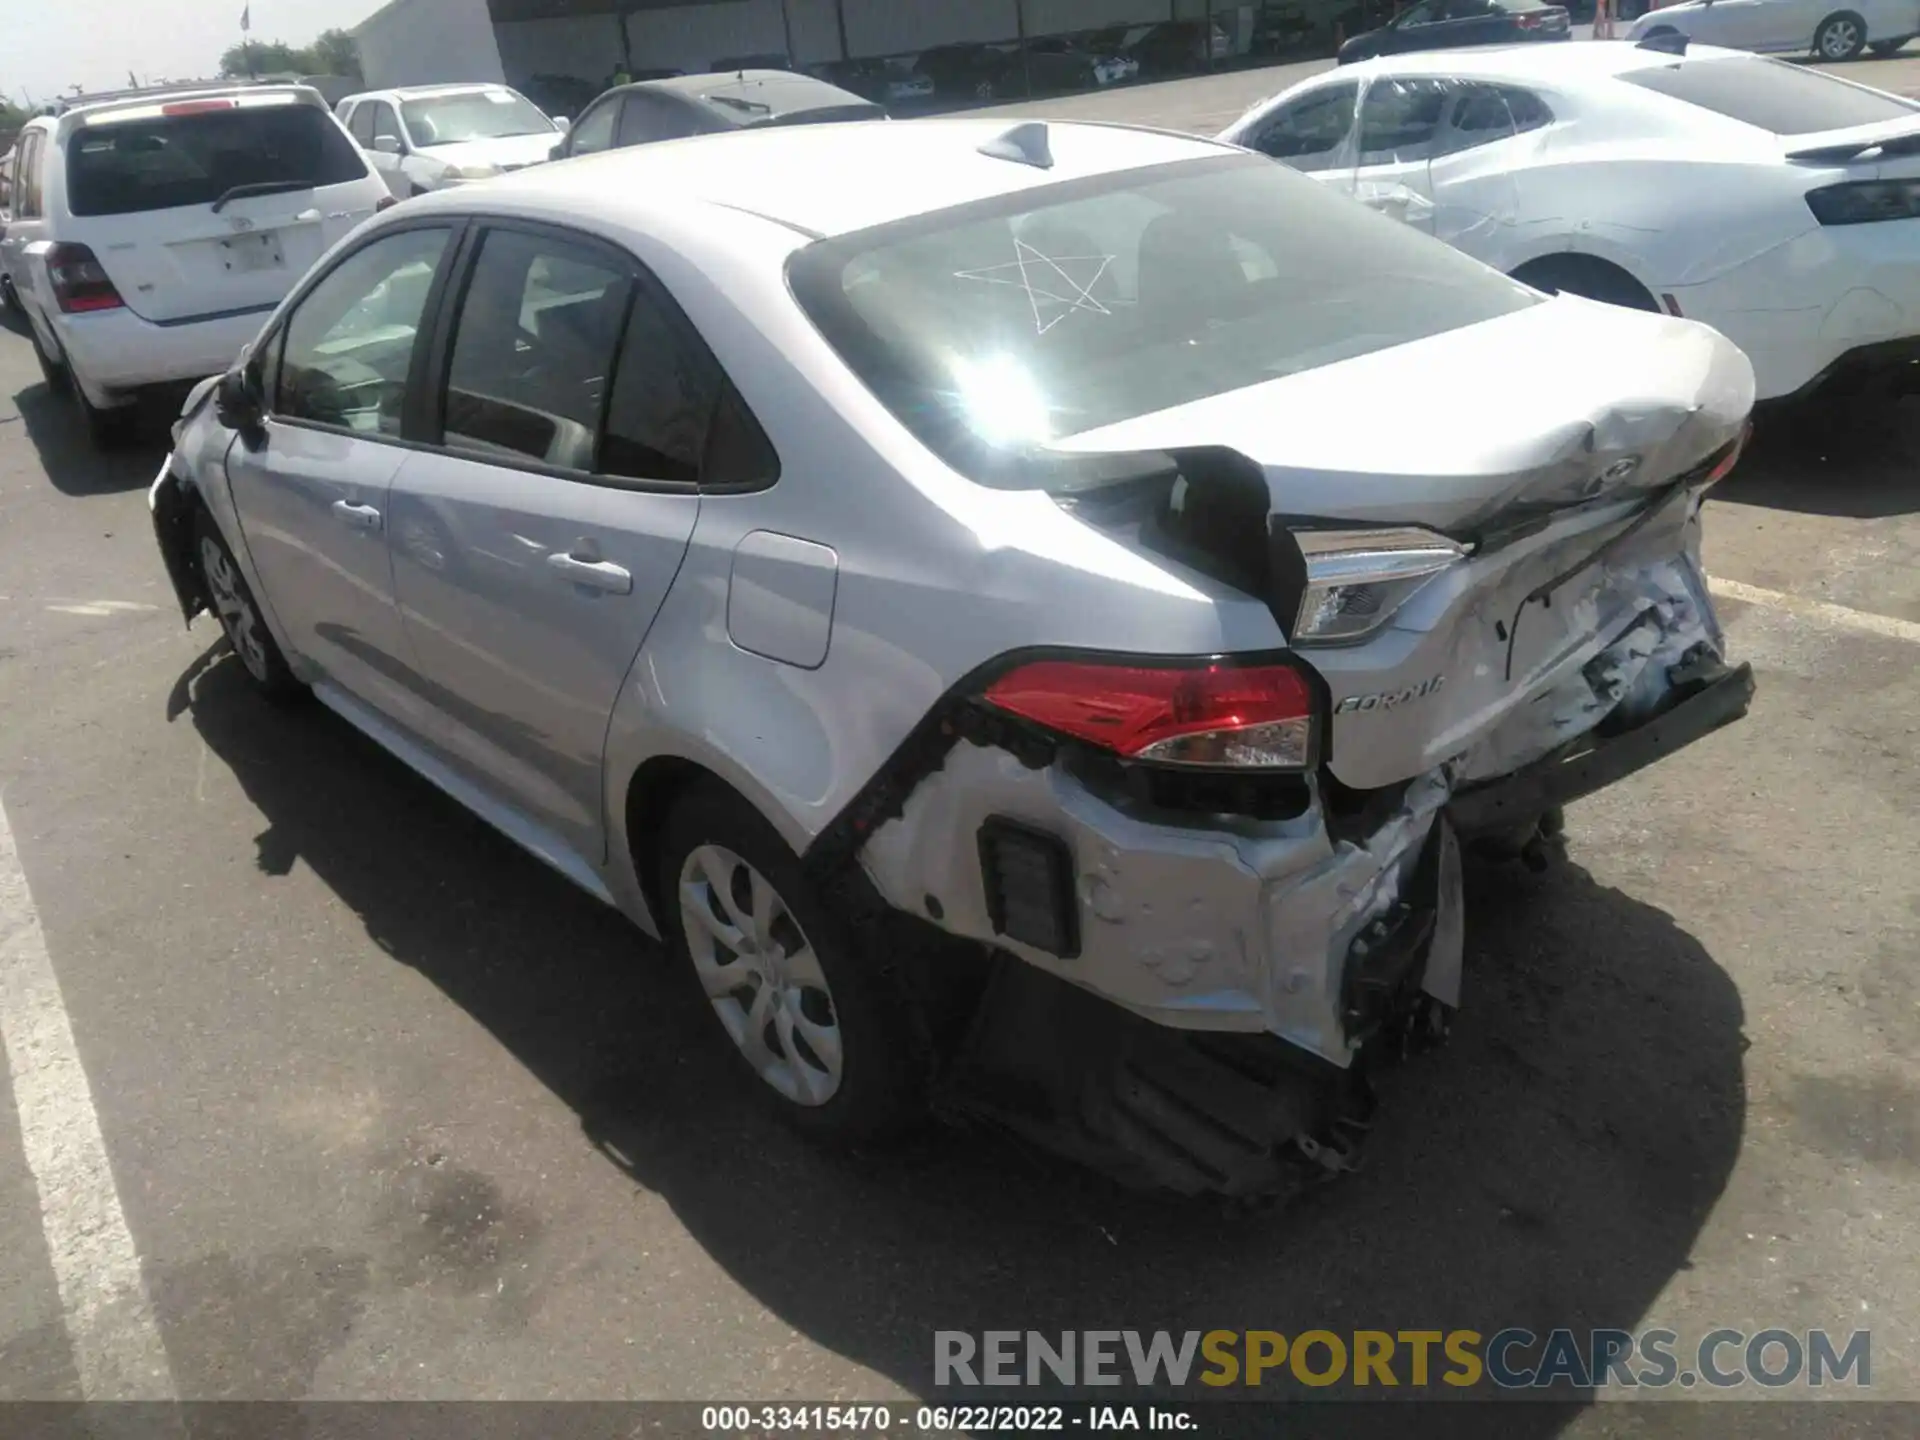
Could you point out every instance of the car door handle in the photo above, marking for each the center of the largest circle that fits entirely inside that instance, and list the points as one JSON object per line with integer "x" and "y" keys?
{"x": 361, "y": 517}
{"x": 594, "y": 574}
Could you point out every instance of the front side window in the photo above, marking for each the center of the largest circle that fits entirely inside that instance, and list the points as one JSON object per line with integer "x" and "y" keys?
{"x": 534, "y": 349}
{"x": 1308, "y": 134}
{"x": 165, "y": 162}
{"x": 1008, "y": 324}
{"x": 594, "y": 133}
{"x": 350, "y": 342}
{"x": 472, "y": 115}
{"x": 1785, "y": 99}
{"x": 360, "y": 124}
{"x": 386, "y": 125}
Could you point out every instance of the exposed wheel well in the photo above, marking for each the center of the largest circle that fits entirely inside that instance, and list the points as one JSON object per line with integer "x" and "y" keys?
{"x": 1586, "y": 275}
{"x": 651, "y": 794}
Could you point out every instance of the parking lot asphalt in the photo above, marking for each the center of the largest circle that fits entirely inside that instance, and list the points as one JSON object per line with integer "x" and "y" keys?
{"x": 394, "y": 1113}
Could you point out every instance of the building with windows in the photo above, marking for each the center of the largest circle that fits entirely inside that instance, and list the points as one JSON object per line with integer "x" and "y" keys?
{"x": 414, "y": 42}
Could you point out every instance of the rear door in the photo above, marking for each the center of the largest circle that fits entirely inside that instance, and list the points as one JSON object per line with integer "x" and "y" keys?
{"x": 534, "y": 545}
{"x": 200, "y": 208}
{"x": 1471, "y": 177}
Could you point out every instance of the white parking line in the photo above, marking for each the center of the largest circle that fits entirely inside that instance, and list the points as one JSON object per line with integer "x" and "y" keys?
{"x": 1843, "y": 616}
{"x": 109, "y": 1316}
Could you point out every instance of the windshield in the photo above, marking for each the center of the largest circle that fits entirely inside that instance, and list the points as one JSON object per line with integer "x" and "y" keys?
{"x": 1784, "y": 99}
{"x": 475, "y": 115}
{"x": 996, "y": 327}
{"x": 128, "y": 167}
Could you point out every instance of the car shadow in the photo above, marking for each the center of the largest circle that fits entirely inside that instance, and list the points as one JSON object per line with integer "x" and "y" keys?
{"x": 1552, "y": 1166}
{"x": 72, "y": 462}
{"x": 1855, "y": 457}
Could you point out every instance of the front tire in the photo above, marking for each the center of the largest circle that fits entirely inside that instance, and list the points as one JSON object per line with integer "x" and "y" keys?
{"x": 239, "y": 615}
{"x": 831, "y": 1042}
{"x": 1840, "y": 37}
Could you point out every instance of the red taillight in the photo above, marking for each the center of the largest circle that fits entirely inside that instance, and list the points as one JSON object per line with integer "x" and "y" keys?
{"x": 79, "y": 283}
{"x": 197, "y": 107}
{"x": 1529, "y": 19}
{"x": 1243, "y": 716}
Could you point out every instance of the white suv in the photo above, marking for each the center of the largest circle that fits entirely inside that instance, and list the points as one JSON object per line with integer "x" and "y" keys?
{"x": 432, "y": 136}
{"x": 153, "y": 233}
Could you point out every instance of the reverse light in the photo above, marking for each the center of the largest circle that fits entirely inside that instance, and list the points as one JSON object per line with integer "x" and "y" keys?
{"x": 1358, "y": 579}
{"x": 1214, "y": 716}
{"x": 80, "y": 283}
{"x": 1861, "y": 202}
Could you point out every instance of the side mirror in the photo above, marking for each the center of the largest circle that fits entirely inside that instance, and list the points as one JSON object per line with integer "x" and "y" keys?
{"x": 238, "y": 403}
{"x": 387, "y": 144}
{"x": 562, "y": 123}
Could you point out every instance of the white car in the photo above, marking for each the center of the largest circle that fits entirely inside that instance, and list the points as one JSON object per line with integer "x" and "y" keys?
{"x": 1780, "y": 205}
{"x": 1822, "y": 28}
{"x": 432, "y": 136}
{"x": 153, "y": 232}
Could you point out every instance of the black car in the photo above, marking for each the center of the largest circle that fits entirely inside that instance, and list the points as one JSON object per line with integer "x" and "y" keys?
{"x": 1449, "y": 24}
{"x": 709, "y": 105}
{"x": 972, "y": 72}
{"x": 1174, "y": 47}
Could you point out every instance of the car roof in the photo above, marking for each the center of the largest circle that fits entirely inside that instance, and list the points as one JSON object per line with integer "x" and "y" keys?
{"x": 833, "y": 179}
{"x": 1540, "y": 64}
{"x": 738, "y": 95}
{"x": 422, "y": 92}
{"x": 85, "y": 112}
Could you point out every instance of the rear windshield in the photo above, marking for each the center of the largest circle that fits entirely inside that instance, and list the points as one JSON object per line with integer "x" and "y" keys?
{"x": 128, "y": 167}
{"x": 997, "y": 327}
{"x": 1784, "y": 99}
{"x": 479, "y": 115}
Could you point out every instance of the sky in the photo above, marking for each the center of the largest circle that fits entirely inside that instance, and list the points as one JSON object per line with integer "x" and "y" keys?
{"x": 50, "y": 47}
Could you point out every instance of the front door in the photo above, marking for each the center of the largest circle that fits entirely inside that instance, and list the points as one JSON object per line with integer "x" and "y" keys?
{"x": 534, "y": 546}
{"x": 313, "y": 495}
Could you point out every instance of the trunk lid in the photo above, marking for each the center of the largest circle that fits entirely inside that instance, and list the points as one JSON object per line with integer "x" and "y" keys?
{"x": 1583, "y": 574}
{"x": 1464, "y": 426}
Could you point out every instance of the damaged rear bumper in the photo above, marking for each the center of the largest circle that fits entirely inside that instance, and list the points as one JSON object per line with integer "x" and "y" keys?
{"x": 1709, "y": 694}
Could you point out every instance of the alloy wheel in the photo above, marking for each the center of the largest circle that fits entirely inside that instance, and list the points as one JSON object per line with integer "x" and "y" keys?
{"x": 235, "y": 608}
{"x": 761, "y": 975}
{"x": 1840, "y": 39}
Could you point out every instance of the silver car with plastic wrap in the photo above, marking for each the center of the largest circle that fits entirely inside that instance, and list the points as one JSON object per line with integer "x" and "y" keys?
{"x": 1031, "y": 617}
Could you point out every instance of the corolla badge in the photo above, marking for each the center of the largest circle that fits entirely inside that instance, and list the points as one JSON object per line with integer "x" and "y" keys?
{"x": 1389, "y": 699}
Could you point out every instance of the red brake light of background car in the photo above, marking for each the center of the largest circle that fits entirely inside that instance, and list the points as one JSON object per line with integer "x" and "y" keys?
{"x": 197, "y": 107}
{"x": 80, "y": 284}
{"x": 1732, "y": 458}
{"x": 1233, "y": 716}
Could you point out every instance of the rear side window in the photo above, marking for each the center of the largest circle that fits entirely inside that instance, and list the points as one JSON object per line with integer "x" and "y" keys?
{"x": 535, "y": 347}
{"x": 1400, "y": 120}
{"x": 1784, "y": 99}
{"x": 129, "y": 167}
{"x": 663, "y": 398}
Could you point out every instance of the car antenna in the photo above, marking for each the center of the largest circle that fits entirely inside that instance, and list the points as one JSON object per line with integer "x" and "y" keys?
{"x": 1667, "y": 42}
{"x": 1024, "y": 144}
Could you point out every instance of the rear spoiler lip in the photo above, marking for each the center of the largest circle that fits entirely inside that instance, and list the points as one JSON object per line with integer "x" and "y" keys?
{"x": 1847, "y": 151}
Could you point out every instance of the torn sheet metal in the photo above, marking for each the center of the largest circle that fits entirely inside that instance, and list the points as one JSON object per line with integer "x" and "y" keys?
{"x": 1245, "y": 928}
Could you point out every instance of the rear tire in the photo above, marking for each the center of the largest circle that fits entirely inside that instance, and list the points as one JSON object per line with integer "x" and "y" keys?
{"x": 1588, "y": 276}
{"x": 8, "y": 297}
{"x": 1840, "y": 36}
{"x": 240, "y": 616}
{"x": 832, "y": 1043}
{"x": 108, "y": 429}
{"x": 1884, "y": 48}
{"x": 52, "y": 370}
